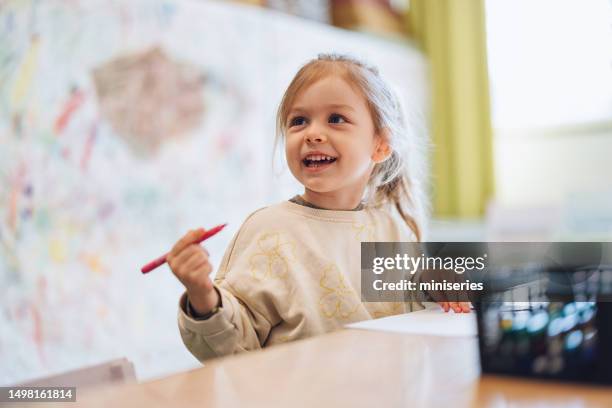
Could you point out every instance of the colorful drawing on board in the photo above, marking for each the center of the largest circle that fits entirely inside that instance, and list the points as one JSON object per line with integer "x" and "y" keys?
{"x": 149, "y": 98}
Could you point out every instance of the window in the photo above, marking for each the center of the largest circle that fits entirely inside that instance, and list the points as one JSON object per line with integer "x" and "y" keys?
{"x": 550, "y": 63}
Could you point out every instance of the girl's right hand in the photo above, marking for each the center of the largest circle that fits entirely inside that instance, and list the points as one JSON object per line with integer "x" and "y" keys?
{"x": 189, "y": 263}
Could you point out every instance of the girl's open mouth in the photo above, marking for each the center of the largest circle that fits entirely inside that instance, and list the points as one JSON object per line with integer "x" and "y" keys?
{"x": 318, "y": 162}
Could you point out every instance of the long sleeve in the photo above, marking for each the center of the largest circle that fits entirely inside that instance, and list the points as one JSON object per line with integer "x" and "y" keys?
{"x": 234, "y": 328}
{"x": 248, "y": 310}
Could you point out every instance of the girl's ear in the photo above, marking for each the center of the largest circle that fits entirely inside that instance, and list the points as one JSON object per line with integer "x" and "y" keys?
{"x": 382, "y": 149}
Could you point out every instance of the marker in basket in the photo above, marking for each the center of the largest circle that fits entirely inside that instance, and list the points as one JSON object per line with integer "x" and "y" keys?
{"x": 162, "y": 259}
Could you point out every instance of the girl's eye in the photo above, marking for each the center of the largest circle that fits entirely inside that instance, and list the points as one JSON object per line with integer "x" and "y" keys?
{"x": 297, "y": 121}
{"x": 335, "y": 118}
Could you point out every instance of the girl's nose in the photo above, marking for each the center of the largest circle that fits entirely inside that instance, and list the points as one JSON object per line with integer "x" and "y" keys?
{"x": 315, "y": 136}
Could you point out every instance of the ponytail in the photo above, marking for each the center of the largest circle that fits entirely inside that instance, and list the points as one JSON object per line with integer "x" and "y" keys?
{"x": 396, "y": 192}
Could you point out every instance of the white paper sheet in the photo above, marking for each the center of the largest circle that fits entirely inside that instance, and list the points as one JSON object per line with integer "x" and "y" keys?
{"x": 433, "y": 322}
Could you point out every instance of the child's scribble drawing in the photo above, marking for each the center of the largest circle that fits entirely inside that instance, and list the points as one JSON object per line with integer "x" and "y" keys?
{"x": 149, "y": 98}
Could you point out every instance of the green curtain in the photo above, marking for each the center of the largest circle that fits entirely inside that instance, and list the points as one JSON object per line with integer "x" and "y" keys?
{"x": 452, "y": 35}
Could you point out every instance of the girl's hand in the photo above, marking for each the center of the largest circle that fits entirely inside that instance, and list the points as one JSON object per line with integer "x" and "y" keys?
{"x": 189, "y": 263}
{"x": 457, "y": 307}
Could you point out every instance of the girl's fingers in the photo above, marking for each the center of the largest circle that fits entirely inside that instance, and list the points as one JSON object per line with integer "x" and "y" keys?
{"x": 444, "y": 305}
{"x": 182, "y": 257}
{"x": 465, "y": 307}
{"x": 460, "y": 307}
{"x": 189, "y": 238}
{"x": 195, "y": 263}
{"x": 456, "y": 306}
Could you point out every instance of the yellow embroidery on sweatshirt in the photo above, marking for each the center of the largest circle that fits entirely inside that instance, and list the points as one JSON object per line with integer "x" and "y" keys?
{"x": 363, "y": 232}
{"x": 338, "y": 298}
{"x": 272, "y": 260}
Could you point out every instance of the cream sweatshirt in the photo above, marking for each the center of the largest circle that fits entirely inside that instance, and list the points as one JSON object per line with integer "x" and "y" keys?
{"x": 292, "y": 272}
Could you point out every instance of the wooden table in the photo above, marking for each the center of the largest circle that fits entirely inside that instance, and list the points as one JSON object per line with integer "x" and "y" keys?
{"x": 348, "y": 368}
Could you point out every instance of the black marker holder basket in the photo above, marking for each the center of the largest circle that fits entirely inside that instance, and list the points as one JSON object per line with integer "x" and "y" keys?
{"x": 555, "y": 325}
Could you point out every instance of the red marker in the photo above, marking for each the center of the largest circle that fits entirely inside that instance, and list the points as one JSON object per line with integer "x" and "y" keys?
{"x": 162, "y": 259}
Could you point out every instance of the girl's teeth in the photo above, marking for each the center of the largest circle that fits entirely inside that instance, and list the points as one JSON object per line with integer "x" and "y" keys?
{"x": 319, "y": 158}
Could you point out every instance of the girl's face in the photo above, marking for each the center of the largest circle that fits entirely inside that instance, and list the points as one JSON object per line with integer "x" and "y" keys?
{"x": 331, "y": 143}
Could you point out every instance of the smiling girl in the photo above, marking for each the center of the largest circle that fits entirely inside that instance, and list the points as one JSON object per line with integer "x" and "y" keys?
{"x": 293, "y": 269}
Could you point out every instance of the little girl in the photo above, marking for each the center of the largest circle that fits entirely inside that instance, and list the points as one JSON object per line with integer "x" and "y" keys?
{"x": 293, "y": 269}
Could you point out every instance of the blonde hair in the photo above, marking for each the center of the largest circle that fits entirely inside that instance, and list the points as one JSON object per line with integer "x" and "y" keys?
{"x": 391, "y": 181}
